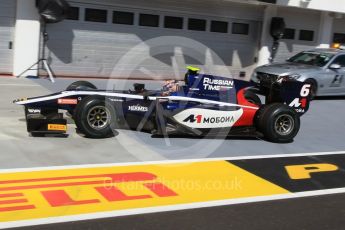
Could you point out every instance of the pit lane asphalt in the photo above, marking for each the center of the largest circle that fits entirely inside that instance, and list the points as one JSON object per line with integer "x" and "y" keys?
{"x": 311, "y": 213}
{"x": 322, "y": 129}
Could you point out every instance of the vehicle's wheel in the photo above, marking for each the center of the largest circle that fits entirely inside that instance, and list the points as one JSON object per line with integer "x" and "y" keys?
{"x": 313, "y": 87}
{"x": 81, "y": 85}
{"x": 94, "y": 117}
{"x": 279, "y": 123}
{"x": 252, "y": 98}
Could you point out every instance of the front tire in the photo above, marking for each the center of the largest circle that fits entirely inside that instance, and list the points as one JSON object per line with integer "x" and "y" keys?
{"x": 94, "y": 117}
{"x": 279, "y": 123}
{"x": 81, "y": 85}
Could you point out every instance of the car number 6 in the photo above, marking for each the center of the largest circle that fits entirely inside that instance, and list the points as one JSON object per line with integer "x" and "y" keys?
{"x": 305, "y": 90}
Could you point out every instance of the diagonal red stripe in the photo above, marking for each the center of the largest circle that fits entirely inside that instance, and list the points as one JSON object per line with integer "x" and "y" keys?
{"x": 16, "y": 201}
{"x": 11, "y": 195}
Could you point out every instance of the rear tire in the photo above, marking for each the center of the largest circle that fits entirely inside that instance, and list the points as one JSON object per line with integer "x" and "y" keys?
{"x": 81, "y": 85}
{"x": 94, "y": 117}
{"x": 279, "y": 123}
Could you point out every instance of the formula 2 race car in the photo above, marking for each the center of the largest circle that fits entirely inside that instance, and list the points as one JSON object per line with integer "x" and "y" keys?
{"x": 203, "y": 105}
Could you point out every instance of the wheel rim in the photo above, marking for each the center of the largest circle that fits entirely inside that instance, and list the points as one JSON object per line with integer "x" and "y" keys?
{"x": 284, "y": 124}
{"x": 98, "y": 117}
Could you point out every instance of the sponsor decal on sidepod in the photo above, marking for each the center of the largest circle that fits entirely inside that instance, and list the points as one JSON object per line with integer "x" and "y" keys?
{"x": 207, "y": 118}
{"x": 138, "y": 108}
{"x": 67, "y": 101}
{"x": 34, "y": 110}
{"x": 217, "y": 84}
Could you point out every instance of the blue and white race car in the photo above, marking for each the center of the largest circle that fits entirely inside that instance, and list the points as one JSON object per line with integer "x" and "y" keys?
{"x": 202, "y": 105}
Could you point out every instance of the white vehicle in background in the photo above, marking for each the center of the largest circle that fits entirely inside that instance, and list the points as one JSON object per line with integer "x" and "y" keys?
{"x": 323, "y": 69}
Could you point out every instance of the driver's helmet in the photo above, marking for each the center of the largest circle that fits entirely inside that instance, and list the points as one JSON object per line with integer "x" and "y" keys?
{"x": 191, "y": 71}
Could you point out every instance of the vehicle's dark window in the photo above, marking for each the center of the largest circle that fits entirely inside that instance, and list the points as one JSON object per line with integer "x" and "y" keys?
{"x": 173, "y": 22}
{"x": 312, "y": 58}
{"x": 340, "y": 60}
{"x": 149, "y": 20}
{"x": 240, "y": 28}
{"x": 73, "y": 13}
{"x": 125, "y": 18}
{"x": 95, "y": 15}
{"x": 219, "y": 26}
{"x": 306, "y": 35}
{"x": 289, "y": 33}
{"x": 339, "y": 38}
{"x": 196, "y": 24}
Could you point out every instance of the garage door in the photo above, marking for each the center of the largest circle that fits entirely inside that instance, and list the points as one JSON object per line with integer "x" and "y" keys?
{"x": 301, "y": 33}
{"x": 339, "y": 30}
{"x": 7, "y": 15}
{"x": 95, "y": 37}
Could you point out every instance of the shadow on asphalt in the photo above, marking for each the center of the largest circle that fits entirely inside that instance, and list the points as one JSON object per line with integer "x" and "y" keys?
{"x": 325, "y": 98}
{"x": 210, "y": 137}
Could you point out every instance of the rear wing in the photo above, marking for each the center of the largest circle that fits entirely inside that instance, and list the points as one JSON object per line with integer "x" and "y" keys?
{"x": 292, "y": 93}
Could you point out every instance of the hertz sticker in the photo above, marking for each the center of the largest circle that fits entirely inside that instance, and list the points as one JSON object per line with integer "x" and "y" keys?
{"x": 57, "y": 127}
{"x": 56, "y": 193}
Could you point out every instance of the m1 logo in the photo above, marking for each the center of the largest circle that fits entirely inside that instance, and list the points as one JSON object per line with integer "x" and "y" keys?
{"x": 193, "y": 119}
{"x": 55, "y": 190}
{"x": 299, "y": 103}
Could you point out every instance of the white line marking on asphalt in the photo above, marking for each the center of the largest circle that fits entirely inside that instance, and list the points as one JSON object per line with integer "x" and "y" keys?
{"x": 167, "y": 162}
{"x": 111, "y": 214}
{"x": 20, "y": 85}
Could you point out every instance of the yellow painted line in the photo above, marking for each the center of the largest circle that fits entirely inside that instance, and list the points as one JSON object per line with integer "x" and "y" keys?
{"x": 68, "y": 192}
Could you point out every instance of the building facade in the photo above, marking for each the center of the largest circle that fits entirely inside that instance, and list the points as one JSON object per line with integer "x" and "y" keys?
{"x": 162, "y": 36}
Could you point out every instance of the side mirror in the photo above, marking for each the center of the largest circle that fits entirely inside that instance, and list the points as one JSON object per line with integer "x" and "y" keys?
{"x": 335, "y": 66}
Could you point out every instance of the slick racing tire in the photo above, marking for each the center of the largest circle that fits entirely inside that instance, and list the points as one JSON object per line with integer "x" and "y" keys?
{"x": 81, "y": 85}
{"x": 279, "y": 123}
{"x": 94, "y": 117}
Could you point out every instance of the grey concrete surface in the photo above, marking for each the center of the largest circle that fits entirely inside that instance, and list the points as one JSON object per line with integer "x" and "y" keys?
{"x": 322, "y": 130}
